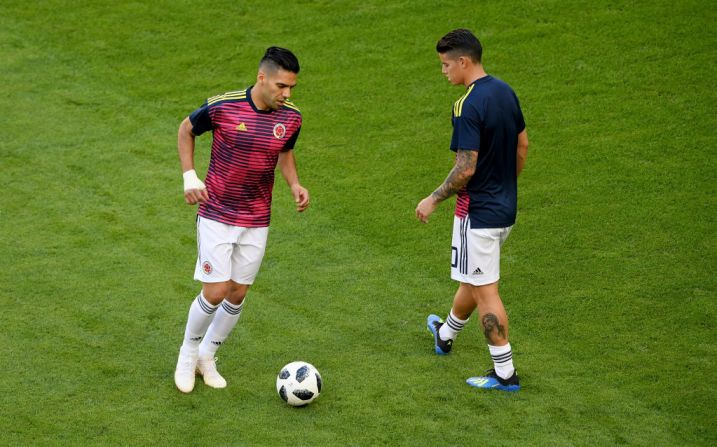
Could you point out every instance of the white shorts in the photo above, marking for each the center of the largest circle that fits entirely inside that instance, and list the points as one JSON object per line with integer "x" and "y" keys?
{"x": 475, "y": 253}
{"x": 228, "y": 252}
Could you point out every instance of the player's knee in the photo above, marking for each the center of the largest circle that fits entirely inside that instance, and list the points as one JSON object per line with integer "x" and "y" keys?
{"x": 486, "y": 294}
{"x": 236, "y": 295}
{"x": 215, "y": 293}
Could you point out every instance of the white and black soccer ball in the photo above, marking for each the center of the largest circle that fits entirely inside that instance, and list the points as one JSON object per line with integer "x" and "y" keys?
{"x": 298, "y": 383}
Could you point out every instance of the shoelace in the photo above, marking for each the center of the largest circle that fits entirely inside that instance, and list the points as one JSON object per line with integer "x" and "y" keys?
{"x": 212, "y": 362}
{"x": 186, "y": 365}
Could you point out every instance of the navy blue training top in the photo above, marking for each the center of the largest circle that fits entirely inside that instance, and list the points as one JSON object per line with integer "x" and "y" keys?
{"x": 488, "y": 119}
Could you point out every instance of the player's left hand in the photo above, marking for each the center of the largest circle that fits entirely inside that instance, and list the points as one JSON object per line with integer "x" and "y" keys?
{"x": 301, "y": 197}
{"x": 425, "y": 208}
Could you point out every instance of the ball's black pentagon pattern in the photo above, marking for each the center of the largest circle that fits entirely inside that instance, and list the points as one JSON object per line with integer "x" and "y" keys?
{"x": 284, "y": 374}
{"x": 303, "y": 394}
{"x": 282, "y": 393}
{"x": 318, "y": 382}
{"x": 302, "y": 373}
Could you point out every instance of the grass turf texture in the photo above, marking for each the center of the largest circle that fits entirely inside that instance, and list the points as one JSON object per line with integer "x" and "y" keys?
{"x": 609, "y": 276}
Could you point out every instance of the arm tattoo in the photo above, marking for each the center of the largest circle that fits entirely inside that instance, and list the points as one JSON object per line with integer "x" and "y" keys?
{"x": 459, "y": 176}
{"x": 491, "y": 324}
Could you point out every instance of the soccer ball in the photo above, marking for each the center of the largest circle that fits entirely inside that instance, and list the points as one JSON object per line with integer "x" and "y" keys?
{"x": 298, "y": 383}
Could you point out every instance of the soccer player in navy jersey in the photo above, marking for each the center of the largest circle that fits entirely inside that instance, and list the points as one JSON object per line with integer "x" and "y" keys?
{"x": 254, "y": 130}
{"x": 491, "y": 146}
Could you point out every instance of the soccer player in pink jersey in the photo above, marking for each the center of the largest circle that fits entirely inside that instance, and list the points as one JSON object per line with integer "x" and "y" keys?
{"x": 254, "y": 130}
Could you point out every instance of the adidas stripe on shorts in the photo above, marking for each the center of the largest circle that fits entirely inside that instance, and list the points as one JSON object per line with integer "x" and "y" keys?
{"x": 228, "y": 252}
{"x": 475, "y": 253}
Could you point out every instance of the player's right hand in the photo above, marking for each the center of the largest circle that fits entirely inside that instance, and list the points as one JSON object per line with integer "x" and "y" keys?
{"x": 194, "y": 189}
{"x": 425, "y": 208}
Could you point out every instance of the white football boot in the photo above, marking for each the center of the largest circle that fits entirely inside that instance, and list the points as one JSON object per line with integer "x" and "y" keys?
{"x": 207, "y": 367}
{"x": 186, "y": 371}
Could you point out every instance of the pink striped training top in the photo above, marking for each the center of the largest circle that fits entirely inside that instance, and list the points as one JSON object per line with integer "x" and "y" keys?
{"x": 245, "y": 150}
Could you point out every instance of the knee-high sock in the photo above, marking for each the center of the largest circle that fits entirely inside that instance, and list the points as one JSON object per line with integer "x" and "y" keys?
{"x": 224, "y": 321}
{"x": 200, "y": 317}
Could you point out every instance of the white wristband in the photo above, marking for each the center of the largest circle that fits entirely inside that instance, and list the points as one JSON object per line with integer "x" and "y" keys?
{"x": 191, "y": 181}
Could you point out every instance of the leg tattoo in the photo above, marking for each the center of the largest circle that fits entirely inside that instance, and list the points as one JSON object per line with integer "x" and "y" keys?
{"x": 490, "y": 324}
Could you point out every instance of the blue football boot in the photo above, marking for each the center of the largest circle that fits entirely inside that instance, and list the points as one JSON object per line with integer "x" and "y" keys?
{"x": 492, "y": 381}
{"x": 434, "y": 324}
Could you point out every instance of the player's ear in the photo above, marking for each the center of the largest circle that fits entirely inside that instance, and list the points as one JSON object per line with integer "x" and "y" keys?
{"x": 260, "y": 77}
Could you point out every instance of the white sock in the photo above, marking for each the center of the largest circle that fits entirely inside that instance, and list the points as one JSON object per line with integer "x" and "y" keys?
{"x": 502, "y": 360}
{"x": 224, "y": 321}
{"x": 200, "y": 316}
{"x": 451, "y": 327}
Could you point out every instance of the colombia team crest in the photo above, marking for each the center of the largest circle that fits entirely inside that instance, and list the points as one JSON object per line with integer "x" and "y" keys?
{"x": 207, "y": 267}
{"x": 279, "y": 131}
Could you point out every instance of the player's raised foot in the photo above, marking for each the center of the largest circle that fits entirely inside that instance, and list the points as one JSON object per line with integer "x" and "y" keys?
{"x": 434, "y": 324}
{"x": 494, "y": 382}
{"x": 185, "y": 372}
{"x": 207, "y": 368}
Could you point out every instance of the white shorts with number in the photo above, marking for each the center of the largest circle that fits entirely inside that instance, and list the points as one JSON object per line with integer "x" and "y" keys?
{"x": 228, "y": 252}
{"x": 475, "y": 253}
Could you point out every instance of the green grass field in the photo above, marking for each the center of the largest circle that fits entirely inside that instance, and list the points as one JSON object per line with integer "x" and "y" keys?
{"x": 608, "y": 276}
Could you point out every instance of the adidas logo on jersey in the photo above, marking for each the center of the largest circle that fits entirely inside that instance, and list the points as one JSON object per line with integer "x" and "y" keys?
{"x": 478, "y": 271}
{"x": 241, "y": 127}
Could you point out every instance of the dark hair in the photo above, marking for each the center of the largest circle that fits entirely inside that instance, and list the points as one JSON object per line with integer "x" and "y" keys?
{"x": 277, "y": 57}
{"x": 461, "y": 42}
